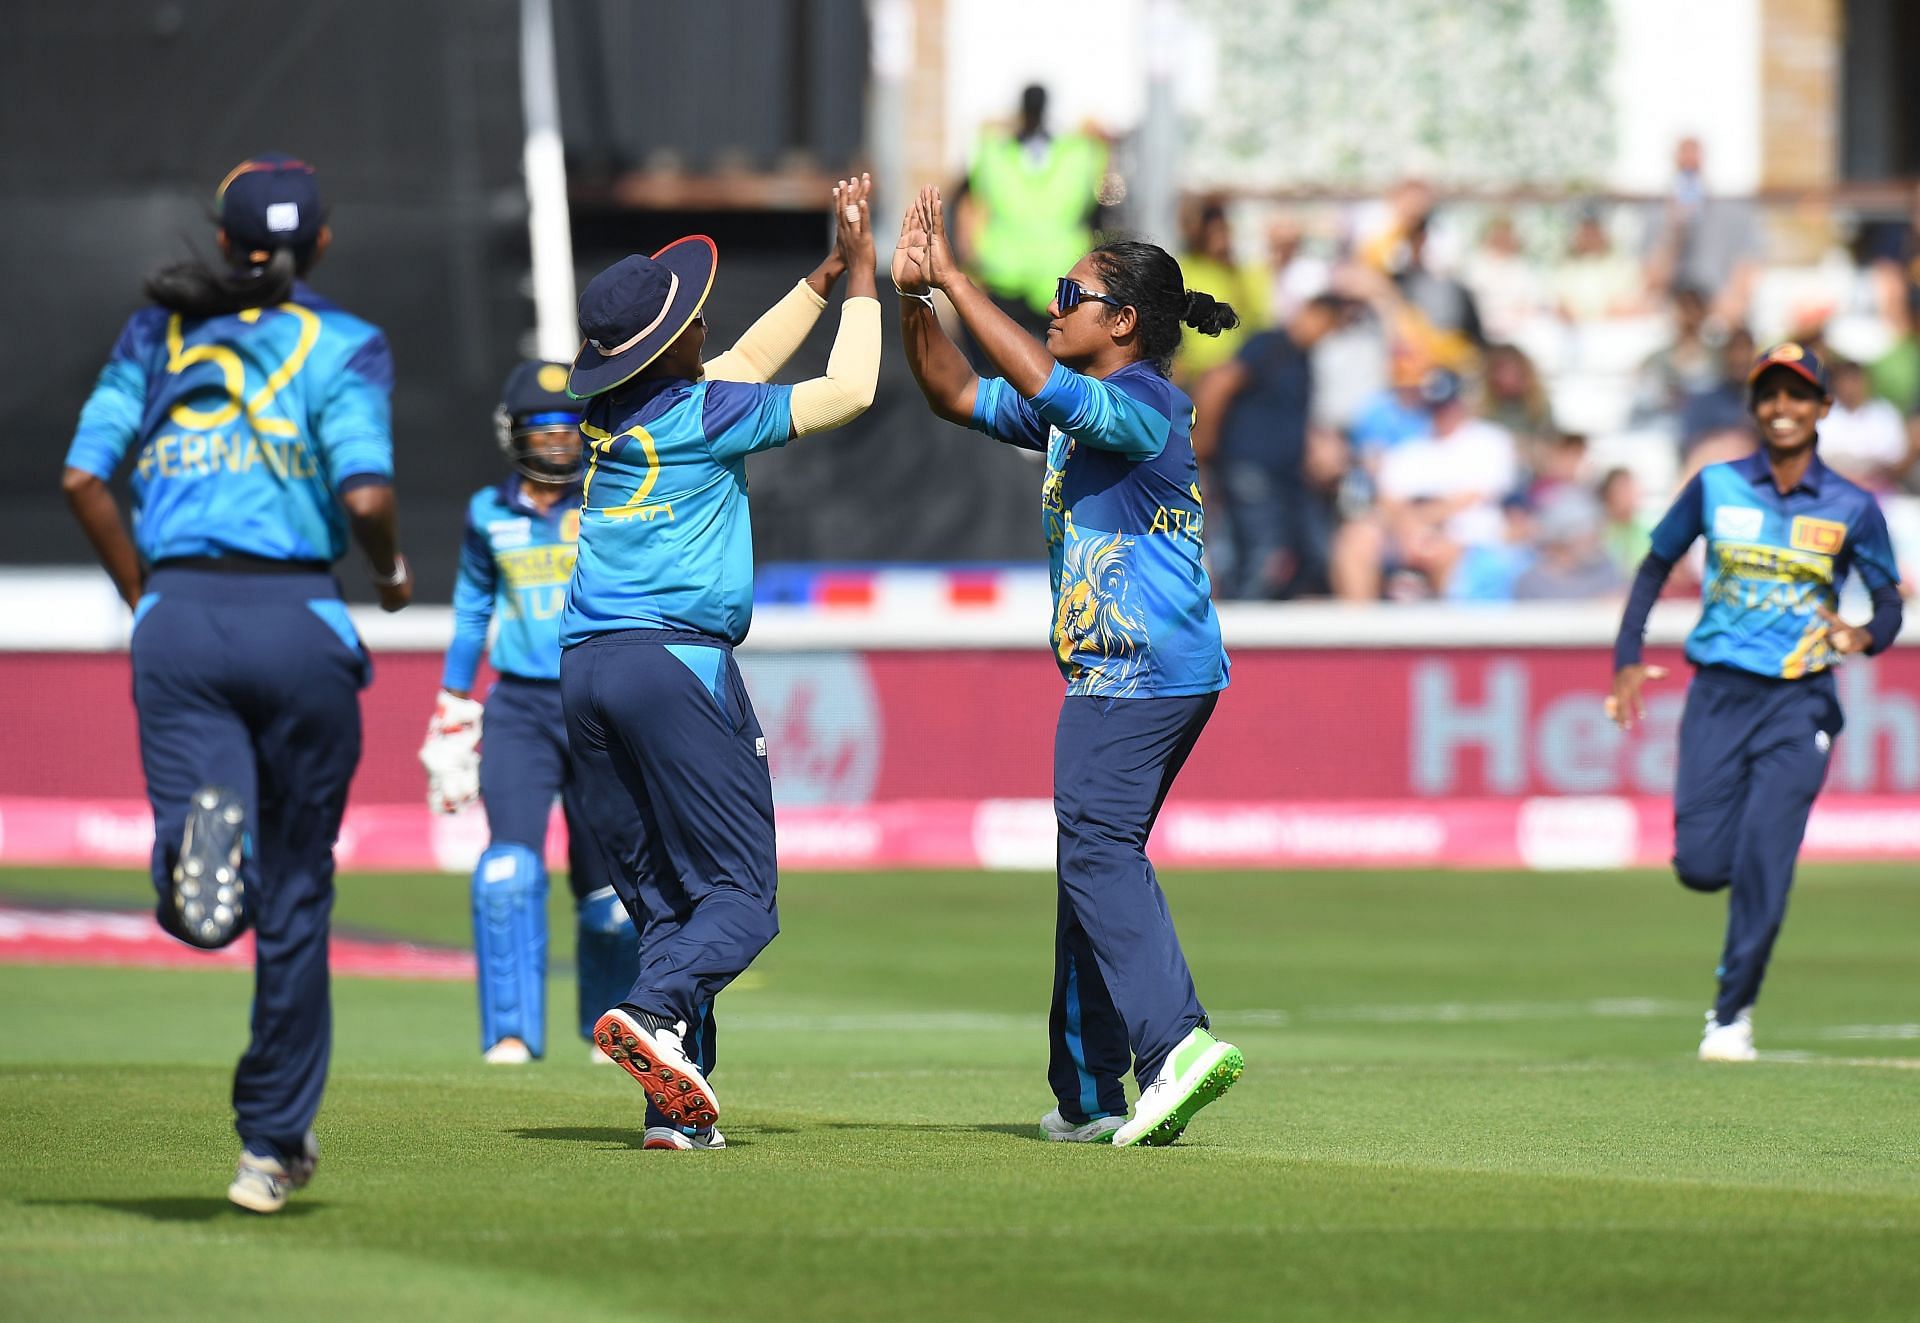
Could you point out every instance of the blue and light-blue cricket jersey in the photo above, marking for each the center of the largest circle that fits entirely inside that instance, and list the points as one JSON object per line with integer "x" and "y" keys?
{"x": 1133, "y": 610}
{"x": 515, "y": 564}
{"x": 1772, "y": 560}
{"x": 666, "y": 541}
{"x": 243, "y": 427}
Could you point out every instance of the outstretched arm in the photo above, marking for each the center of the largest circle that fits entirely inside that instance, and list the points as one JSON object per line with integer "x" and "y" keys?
{"x": 767, "y": 345}
{"x": 853, "y": 367}
{"x": 938, "y": 367}
{"x": 1020, "y": 359}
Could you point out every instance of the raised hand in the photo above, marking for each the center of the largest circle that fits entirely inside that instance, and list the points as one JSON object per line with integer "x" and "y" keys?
{"x": 910, "y": 255}
{"x": 853, "y": 228}
{"x": 941, "y": 268}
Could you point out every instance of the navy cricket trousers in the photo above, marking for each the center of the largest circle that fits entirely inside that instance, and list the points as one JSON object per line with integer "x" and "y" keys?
{"x": 251, "y": 681}
{"x": 1122, "y": 993}
{"x": 1753, "y": 756}
{"x": 523, "y": 766}
{"x": 674, "y": 788}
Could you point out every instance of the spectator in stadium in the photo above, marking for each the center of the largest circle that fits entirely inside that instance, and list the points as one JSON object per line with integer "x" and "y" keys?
{"x": 1135, "y": 635}
{"x": 1027, "y": 208}
{"x": 1688, "y": 365}
{"x": 1513, "y": 396}
{"x": 1210, "y": 264}
{"x": 1628, "y": 529}
{"x": 669, "y": 756}
{"x": 259, "y": 414}
{"x": 1440, "y": 317}
{"x": 1706, "y": 242}
{"x": 1719, "y": 412}
{"x": 1506, "y": 285}
{"x": 1437, "y": 496}
{"x": 1294, "y": 275}
{"x": 515, "y": 561}
{"x": 1864, "y": 439}
{"x": 1276, "y": 471}
{"x": 1396, "y": 413}
{"x": 1570, "y": 562}
{"x": 1486, "y": 572}
{"x": 1762, "y": 712}
{"x": 1593, "y": 282}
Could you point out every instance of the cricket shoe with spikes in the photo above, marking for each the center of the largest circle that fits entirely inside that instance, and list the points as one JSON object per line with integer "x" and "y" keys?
{"x": 649, "y": 1048}
{"x": 1196, "y": 1072}
{"x": 206, "y": 903}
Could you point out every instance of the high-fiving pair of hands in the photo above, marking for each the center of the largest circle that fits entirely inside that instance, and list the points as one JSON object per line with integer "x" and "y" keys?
{"x": 924, "y": 257}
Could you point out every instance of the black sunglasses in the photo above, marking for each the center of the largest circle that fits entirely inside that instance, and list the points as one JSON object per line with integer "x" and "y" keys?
{"x": 1069, "y": 294}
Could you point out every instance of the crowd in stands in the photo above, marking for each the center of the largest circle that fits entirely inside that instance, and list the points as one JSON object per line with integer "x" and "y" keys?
{"x": 1497, "y": 424}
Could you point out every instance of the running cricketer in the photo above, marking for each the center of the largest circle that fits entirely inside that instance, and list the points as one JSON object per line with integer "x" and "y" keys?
{"x": 1782, "y": 531}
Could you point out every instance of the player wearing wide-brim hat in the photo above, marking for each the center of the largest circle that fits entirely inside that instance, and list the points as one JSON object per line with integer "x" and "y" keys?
{"x": 1783, "y": 531}
{"x": 260, "y": 419}
{"x": 516, "y": 559}
{"x": 671, "y": 760}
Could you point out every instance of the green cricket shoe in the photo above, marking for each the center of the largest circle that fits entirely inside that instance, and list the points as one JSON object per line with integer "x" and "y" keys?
{"x": 1199, "y": 1070}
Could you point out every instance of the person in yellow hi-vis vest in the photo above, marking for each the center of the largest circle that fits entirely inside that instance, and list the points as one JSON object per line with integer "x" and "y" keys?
{"x": 1031, "y": 196}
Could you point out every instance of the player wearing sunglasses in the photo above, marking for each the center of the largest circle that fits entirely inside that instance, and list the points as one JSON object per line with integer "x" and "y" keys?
{"x": 1134, "y": 633}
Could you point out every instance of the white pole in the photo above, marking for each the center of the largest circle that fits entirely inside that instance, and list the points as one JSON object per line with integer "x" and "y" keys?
{"x": 556, "y": 332}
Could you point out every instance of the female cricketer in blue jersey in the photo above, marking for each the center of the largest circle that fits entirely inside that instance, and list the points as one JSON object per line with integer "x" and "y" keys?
{"x": 1782, "y": 531}
{"x": 1135, "y": 635}
{"x": 258, "y": 419}
{"x": 671, "y": 758}
{"x": 515, "y": 561}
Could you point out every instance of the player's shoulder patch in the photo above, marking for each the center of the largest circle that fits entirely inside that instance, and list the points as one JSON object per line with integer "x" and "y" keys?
{"x": 1739, "y": 522}
{"x": 1825, "y": 536}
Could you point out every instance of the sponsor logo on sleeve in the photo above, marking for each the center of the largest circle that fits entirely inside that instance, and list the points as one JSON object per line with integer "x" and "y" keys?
{"x": 1738, "y": 521}
{"x": 1822, "y": 535}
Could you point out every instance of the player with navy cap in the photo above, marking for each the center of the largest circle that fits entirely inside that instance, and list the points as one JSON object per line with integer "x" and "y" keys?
{"x": 1783, "y": 531}
{"x": 515, "y": 561}
{"x": 672, "y": 761}
{"x": 257, "y": 416}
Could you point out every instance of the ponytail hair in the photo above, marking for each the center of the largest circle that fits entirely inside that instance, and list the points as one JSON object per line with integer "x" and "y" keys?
{"x": 194, "y": 289}
{"x": 1146, "y": 278}
{"x": 1209, "y": 315}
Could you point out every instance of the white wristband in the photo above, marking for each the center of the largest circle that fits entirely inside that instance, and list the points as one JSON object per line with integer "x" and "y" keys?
{"x": 398, "y": 577}
{"x": 926, "y": 298}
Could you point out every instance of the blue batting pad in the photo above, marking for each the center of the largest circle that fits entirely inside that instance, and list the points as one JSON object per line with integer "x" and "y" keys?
{"x": 510, "y": 946}
{"x": 607, "y": 955}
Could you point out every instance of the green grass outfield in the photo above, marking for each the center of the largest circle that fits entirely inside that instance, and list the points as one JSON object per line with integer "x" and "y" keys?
{"x": 1467, "y": 1097}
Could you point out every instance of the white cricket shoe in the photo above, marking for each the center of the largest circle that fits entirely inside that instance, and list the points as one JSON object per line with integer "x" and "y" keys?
{"x": 667, "y": 1136}
{"x": 508, "y": 1052}
{"x": 648, "y": 1047}
{"x": 1196, "y": 1072}
{"x": 1058, "y": 1129}
{"x": 1729, "y": 1042}
{"x": 261, "y": 1184}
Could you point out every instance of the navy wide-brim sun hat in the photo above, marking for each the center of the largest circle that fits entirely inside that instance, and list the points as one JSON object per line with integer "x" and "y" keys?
{"x": 634, "y": 309}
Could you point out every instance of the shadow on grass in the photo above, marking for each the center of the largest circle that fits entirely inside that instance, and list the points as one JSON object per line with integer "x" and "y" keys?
{"x": 616, "y": 1137}
{"x": 197, "y": 1208}
{"x": 1027, "y": 1131}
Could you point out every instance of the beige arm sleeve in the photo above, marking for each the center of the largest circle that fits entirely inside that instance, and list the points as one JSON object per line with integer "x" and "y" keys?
{"x": 853, "y": 371}
{"x": 769, "y": 342}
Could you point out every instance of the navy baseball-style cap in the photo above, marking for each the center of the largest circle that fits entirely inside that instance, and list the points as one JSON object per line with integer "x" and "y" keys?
{"x": 637, "y": 307}
{"x": 270, "y": 201}
{"x": 1796, "y": 358}
{"x": 536, "y": 396}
